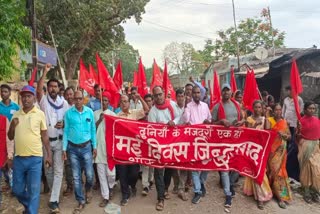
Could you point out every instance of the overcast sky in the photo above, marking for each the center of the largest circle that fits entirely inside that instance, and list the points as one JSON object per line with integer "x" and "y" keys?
{"x": 194, "y": 21}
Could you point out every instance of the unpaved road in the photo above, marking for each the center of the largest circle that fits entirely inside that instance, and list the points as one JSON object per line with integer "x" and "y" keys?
{"x": 212, "y": 203}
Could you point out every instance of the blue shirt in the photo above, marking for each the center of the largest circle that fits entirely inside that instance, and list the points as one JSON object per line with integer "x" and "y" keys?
{"x": 79, "y": 127}
{"x": 8, "y": 110}
{"x": 95, "y": 104}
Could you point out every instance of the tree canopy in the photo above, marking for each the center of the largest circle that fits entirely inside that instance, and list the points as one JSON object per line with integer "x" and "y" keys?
{"x": 182, "y": 58}
{"x": 83, "y": 27}
{"x": 251, "y": 32}
{"x": 14, "y": 36}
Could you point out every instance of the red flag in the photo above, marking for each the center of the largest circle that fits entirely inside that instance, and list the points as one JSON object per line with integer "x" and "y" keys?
{"x": 135, "y": 79}
{"x": 216, "y": 92}
{"x": 118, "y": 76}
{"x": 250, "y": 93}
{"x": 106, "y": 82}
{"x": 167, "y": 86}
{"x": 296, "y": 86}
{"x": 85, "y": 80}
{"x": 142, "y": 80}
{"x": 233, "y": 82}
{"x": 93, "y": 74}
{"x": 203, "y": 83}
{"x": 157, "y": 78}
{"x": 33, "y": 76}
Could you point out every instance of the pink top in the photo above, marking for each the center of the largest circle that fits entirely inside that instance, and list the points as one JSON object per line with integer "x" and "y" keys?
{"x": 310, "y": 127}
{"x": 196, "y": 113}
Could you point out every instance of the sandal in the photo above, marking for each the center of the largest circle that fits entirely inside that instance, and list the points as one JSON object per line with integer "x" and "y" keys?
{"x": 78, "y": 209}
{"x": 260, "y": 205}
{"x": 160, "y": 205}
{"x": 166, "y": 195}
{"x": 282, "y": 204}
{"x": 308, "y": 199}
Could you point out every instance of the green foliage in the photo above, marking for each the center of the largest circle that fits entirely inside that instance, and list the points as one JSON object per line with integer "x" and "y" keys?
{"x": 182, "y": 58}
{"x": 252, "y": 33}
{"x": 14, "y": 37}
{"x": 83, "y": 27}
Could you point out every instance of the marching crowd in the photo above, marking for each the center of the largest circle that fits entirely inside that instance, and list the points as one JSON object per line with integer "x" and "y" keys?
{"x": 57, "y": 133}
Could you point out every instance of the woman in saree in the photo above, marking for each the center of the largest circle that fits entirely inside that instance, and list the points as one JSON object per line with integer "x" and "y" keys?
{"x": 261, "y": 193}
{"x": 276, "y": 168}
{"x": 309, "y": 153}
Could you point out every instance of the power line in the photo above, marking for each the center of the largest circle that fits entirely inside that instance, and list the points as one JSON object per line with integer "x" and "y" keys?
{"x": 175, "y": 30}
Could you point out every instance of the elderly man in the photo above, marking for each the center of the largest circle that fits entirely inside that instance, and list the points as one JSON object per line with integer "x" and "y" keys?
{"x": 129, "y": 174}
{"x": 29, "y": 131}
{"x": 227, "y": 113}
{"x": 79, "y": 140}
{"x": 197, "y": 112}
{"x": 107, "y": 177}
{"x": 166, "y": 112}
{"x": 54, "y": 108}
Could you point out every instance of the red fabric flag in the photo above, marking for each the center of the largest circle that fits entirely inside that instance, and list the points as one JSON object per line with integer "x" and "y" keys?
{"x": 233, "y": 82}
{"x": 142, "y": 80}
{"x": 85, "y": 79}
{"x": 157, "y": 78}
{"x": 106, "y": 82}
{"x": 250, "y": 93}
{"x": 135, "y": 79}
{"x": 296, "y": 86}
{"x": 118, "y": 80}
{"x": 33, "y": 76}
{"x": 203, "y": 83}
{"x": 167, "y": 86}
{"x": 216, "y": 92}
{"x": 93, "y": 74}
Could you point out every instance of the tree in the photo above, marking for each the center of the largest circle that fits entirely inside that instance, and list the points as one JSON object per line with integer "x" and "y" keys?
{"x": 183, "y": 59}
{"x": 252, "y": 33}
{"x": 83, "y": 27}
{"x": 14, "y": 36}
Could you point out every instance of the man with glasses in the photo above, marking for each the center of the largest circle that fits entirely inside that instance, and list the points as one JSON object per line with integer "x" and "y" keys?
{"x": 129, "y": 174}
{"x": 79, "y": 140}
{"x": 166, "y": 112}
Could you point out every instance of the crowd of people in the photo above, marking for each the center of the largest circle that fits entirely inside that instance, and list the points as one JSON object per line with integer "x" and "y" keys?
{"x": 58, "y": 133}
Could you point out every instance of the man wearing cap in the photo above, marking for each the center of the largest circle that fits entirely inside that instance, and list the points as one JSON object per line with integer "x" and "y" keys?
{"x": 107, "y": 177}
{"x": 79, "y": 140}
{"x": 197, "y": 112}
{"x": 227, "y": 113}
{"x": 29, "y": 131}
{"x": 128, "y": 174}
{"x": 54, "y": 108}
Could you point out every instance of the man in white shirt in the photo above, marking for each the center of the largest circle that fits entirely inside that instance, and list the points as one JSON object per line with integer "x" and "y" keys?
{"x": 107, "y": 177}
{"x": 289, "y": 113}
{"x": 166, "y": 112}
{"x": 54, "y": 108}
{"x": 135, "y": 103}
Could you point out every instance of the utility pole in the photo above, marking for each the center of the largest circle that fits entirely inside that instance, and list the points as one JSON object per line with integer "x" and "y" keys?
{"x": 271, "y": 31}
{"x": 236, "y": 31}
{"x": 63, "y": 76}
{"x": 34, "y": 34}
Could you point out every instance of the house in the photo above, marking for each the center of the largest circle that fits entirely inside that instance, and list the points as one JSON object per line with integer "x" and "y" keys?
{"x": 273, "y": 72}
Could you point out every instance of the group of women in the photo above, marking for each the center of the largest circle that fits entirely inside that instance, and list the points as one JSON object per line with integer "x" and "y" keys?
{"x": 276, "y": 181}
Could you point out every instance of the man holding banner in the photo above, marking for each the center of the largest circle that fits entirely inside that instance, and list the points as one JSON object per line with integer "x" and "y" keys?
{"x": 164, "y": 111}
{"x": 227, "y": 113}
{"x": 197, "y": 112}
{"x": 129, "y": 173}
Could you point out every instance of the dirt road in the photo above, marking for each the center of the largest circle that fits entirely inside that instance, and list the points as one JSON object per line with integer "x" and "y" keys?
{"x": 211, "y": 203}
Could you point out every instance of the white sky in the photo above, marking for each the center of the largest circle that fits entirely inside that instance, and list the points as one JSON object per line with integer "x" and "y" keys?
{"x": 193, "y": 21}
